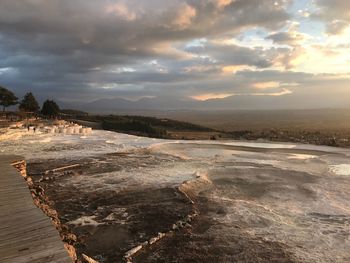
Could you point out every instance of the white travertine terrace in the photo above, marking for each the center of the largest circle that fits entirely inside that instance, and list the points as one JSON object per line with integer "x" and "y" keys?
{"x": 294, "y": 194}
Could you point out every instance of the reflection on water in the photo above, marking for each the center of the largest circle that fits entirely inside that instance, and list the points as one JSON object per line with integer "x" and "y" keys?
{"x": 340, "y": 169}
{"x": 301, "y": 156}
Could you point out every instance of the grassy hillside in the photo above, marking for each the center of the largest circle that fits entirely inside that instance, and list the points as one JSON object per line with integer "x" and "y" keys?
{"x": 146, "y": 126}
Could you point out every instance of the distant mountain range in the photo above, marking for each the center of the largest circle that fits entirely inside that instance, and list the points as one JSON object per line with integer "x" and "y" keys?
{"x": 241, "y": 102}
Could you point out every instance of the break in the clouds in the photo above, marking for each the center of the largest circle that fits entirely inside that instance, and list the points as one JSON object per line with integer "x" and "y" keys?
{"x": 335, "y": 14}
{"x": 84, "y": 50}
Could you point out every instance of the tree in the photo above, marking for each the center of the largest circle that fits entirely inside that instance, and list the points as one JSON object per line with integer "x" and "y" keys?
{"x": 50, "y": 109}
{"x": 7, "y": 98}
{"x": 29, "y": 103}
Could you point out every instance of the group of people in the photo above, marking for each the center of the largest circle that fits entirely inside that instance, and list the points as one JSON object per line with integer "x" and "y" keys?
{"x": 34, "y": 128}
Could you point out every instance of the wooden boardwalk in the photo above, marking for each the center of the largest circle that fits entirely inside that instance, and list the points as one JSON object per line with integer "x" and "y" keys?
{"x": 26, "y": 233}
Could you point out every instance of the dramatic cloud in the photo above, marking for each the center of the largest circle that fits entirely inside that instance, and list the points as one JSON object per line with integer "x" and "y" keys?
{"x": 292, "y": 37}
{"x": 84, "y": 50}
{"x": 336, "y": 14}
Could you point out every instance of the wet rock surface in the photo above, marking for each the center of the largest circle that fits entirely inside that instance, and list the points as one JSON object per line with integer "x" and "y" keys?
{"x": 198, "y": 202}
{"x": 109, "y": 222}
{"x": 209, "y": 241}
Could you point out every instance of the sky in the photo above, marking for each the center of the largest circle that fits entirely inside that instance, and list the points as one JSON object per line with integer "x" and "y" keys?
{"x": 292, "y": 51}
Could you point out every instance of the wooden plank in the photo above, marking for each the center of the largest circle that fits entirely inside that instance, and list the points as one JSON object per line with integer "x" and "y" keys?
{"x": 26, "y": 233}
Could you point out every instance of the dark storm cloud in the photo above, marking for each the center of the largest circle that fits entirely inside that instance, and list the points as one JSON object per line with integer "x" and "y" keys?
{"x": 120, "y": 28}
{"x": 58, "y": 45}
{"x": 233, "y": 55}
{"x": 84, "y": 50}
